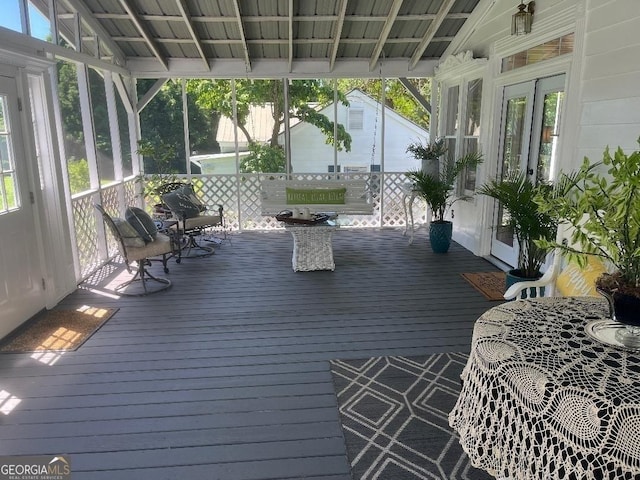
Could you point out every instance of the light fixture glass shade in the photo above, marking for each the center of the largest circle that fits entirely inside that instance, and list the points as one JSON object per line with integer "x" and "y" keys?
{"x": 521, "y": 21}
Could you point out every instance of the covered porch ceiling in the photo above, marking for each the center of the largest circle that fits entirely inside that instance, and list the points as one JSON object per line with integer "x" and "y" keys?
{"x": 270, "y": 38}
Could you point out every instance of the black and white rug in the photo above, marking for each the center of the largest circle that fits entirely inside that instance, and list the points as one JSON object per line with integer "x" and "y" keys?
{"x": 394, "y": 417}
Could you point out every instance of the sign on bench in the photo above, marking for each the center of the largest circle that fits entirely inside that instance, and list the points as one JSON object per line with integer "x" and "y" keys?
{"x": 339, "y": 196}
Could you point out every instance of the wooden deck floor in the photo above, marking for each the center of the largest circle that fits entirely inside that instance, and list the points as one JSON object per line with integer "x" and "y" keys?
{"x": 226, "y": 374}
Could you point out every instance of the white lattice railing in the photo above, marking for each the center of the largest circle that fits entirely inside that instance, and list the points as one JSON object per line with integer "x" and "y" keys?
{"x": 92, "y": 248}
{"x": 240, "y": 197}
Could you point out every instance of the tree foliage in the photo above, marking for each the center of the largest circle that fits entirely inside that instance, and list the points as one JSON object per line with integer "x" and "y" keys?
{"x": 215, "y": 97}
{"x": 78, "y": 171}
{"x": 162, "y": 122}
{"x": 263, "y": 158}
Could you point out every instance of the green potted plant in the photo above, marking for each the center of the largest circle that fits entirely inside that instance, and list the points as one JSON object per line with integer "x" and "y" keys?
{"x": 601, "y": 201}
{"x": 436, "y": 184}
{"x": 160, "y": 154}
{"x": 518, "y": 194}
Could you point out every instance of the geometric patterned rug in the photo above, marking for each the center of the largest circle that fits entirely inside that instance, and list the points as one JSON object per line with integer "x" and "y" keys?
{"x": 394, "y": 417}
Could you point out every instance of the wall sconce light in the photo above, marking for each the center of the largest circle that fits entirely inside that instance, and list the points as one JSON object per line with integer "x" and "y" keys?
{"x": 522, "y": 19}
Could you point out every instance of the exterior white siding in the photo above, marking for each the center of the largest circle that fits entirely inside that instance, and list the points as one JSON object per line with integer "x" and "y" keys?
{"x": 610, "y": 82}
{"x": 310, "y": 152}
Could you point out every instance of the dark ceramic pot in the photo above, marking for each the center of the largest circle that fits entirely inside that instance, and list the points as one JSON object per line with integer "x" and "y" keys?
{"x": 515, "y": 276}
{"x": 623, "y": 308}
{"x": 440, "y": 236}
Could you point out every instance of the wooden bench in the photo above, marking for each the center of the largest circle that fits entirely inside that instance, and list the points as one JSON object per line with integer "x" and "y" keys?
{"x": 349, "y": 196}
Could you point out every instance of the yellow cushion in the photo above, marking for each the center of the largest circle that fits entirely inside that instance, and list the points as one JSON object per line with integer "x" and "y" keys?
{"x": 574, "y": 281}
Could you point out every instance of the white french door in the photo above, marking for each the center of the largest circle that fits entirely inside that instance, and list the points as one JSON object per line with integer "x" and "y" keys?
{"x": 21, "y": 292}
{"x": 529, "y": 135}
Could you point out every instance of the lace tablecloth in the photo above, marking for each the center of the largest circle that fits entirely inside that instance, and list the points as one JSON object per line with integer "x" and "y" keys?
{"x": 541, "y": 400}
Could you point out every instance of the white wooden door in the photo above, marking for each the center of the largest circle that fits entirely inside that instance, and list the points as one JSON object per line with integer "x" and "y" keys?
{"x": 529, "y": 137}
{"x": 21, "y": 292}
{"x": 517, "y": 112}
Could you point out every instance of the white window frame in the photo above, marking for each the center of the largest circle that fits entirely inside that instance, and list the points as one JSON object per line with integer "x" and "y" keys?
{"x": 459, "y": 70}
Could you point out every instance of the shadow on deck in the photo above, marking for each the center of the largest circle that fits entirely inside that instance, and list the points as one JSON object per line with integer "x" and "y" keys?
{"x": 226, "y": 374}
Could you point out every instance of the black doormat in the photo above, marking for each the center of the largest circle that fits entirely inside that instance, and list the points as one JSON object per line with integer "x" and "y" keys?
{"x": 394, "y": 413}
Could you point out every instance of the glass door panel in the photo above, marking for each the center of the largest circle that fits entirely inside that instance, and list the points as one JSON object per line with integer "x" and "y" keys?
{"x": 21, "y": 294}
{"x": 517, "y": 109}
{"x": 530, "y": 110}
{"x": 544, "y": 153}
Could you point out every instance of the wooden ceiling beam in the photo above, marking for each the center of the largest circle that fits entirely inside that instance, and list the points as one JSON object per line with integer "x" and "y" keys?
{"x": 186, "y": 16}
{"x": 337, "y": 34}
{"x": 87, "y": 16}
{"x": 430, "y": 33}
{"x": 245, "y": 47}
{"x": 386, "y": 29}
{"x": 144, "y": 31}
{"x": 290, "y": 24}
{"x": 274, "y": 18}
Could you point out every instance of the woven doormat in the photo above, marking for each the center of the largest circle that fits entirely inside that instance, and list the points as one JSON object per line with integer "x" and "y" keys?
{"x": 57, "y": 330}
{"x": 490, "y": 284}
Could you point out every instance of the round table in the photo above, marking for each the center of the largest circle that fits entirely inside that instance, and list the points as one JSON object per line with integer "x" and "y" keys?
{"x": 540, "y": 399}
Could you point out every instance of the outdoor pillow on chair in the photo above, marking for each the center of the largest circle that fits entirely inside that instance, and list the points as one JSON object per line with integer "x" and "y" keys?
{"x": 189, "y": 192}
{"x": 130, "y": 236}
{"x": 575, "y": 281}
{"x": 142, "y": 223}
{"x": 180, "y": 204}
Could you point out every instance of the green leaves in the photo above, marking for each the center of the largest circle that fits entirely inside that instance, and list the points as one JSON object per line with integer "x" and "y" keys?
{"x": 215, "y": 97}
{"x": 603, "y": 207}
{"x": 437, "y": 189}
{"x": 264, "y": 158}
{"x": 532, "y": 226}
{"x": 428, "y": 151}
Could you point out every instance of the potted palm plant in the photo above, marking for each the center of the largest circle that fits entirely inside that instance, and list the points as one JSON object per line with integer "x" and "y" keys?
{"x": 601, "y": 201}
{"x": 435, "y": 184}
{"x": 518, "y": 194}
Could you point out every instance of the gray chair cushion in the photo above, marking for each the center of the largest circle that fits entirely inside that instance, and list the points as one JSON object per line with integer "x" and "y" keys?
{"x": 130, "y": 236}
{"x": 189, "y": 192}
{"x": 180, "y": 204}
{"x": 142, "y": 222}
